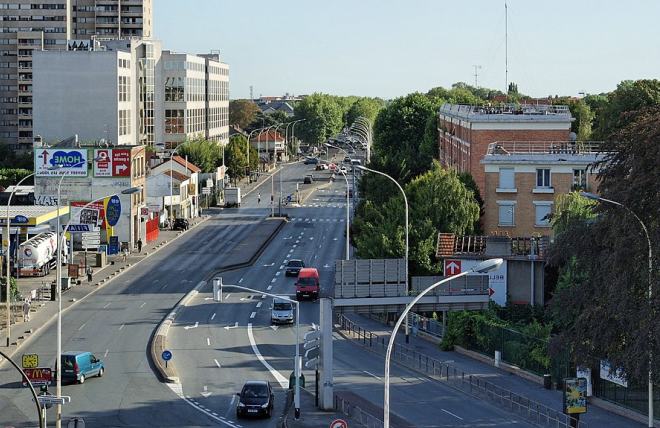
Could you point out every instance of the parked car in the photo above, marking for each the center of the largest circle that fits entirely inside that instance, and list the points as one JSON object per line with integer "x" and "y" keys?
{"x": 356, "y": 162}
{"x": 343, "y": 170}
{"x": 281, "y": 312}
{"x": 332, "y": 167}
{"x": 308, "y": 284}
{"x": 311, "y": 160}
{"x": 255, "y": 399}
{"x": 293, "y": 267}
{"x": 308, "y": 179}
{"x": 77, "y": 366}
{"x": 180, "y": 224}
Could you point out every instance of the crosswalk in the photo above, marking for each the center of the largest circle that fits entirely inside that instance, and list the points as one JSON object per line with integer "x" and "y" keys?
{"x": 313, "y": 220}
{"x": 324, "y": 205}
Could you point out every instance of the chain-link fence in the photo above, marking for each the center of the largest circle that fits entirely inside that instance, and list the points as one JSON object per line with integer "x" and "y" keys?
{"x": 458, "y": 379}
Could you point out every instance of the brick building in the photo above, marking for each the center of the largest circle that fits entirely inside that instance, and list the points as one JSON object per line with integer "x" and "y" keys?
{"x": 522, "y": 180}
{"x": 464, "y": 132}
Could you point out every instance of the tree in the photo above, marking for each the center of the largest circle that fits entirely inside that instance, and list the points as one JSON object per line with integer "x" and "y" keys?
{"x": 10, "y": 176}
{"x": 236, "y": 157}
{"x": 513, "y": 89}
{"x": 605, "y": 282}
{"x": 571, "y": 208}
{"x": 207, "y": 155}
{"x": 629, "y": 96}
{"x": 10, "y": 158}
{"x": 364, "y": 107}
{"x": 242, "y": 112}
{"x": 323, "y": 118}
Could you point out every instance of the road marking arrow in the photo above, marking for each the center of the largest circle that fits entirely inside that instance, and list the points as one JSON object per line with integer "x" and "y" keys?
{"x": 274, "y": 327}
{"x": 227, "y": 327}
{"x": 269, "y": 265}
{"x": 208, "y": 298}
{"x": 206, "y": 392}
{"x": 188, "y": 327}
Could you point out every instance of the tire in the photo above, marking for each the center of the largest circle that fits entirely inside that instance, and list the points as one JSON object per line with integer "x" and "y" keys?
{"x": 101, "y": 370}
{"x": 238, "y": 414}
{"x": 82, "y": 379}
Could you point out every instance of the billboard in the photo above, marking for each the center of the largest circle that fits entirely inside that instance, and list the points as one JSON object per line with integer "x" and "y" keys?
{"x": 93, "y": 214}
{"x": 73, "y": 162}
{"x": 496, "y": 279}
{"x": 575, "y": 395}
{"x": 112, "y": 163}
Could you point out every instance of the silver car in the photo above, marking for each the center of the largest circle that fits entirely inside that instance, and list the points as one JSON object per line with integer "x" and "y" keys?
{"x": 281, "y": 311}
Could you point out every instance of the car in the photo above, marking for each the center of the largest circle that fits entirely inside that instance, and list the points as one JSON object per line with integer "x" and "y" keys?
{"x": 78, "y": 366}
{"x": 281, "y": 311}
{"x": 324, "y": 166}
{"x": 350, "y": 193}
{"x": 180, "y": 224}
{"x": 319, "y": 167}
{"x": 309, "y": 179}
{"x": 343, "y": 170}
{"x": 293, "y": 267}
{"x": 356, "y": 162}
{"x": 255, "y": 399}
{"x": 332, "y": 167}
{"x": 347, "y": 159}
{"x": 311, "y": 160}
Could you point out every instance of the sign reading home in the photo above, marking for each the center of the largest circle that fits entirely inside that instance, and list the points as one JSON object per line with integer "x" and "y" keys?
{"x": 56, "y": 162}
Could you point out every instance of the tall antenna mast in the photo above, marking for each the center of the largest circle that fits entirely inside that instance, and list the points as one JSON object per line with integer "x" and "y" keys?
{"x": 506, "y": 48}
{"x": 476, "y": 75}
{"x": 251, "y": 93}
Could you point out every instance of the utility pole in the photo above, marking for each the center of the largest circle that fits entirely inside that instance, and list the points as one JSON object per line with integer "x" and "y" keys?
{"x": 506, "y": 48}
{"x": 476, "y": 75}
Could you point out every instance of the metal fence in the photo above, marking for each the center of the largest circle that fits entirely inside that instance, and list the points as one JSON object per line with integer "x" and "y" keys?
{"x": 427, "y": 325}
{"x": 356, "y": 413}
{"x": 458, "y": 379}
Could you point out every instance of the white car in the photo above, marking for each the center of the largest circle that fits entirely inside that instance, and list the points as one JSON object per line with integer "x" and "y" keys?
{"x": 343, "y": 170}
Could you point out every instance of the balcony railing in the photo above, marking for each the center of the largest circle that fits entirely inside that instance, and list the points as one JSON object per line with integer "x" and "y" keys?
{"x": 544, "y": 147}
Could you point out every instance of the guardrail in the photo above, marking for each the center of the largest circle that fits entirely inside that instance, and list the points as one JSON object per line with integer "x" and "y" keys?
{"x": 356, "y": 413}
{"x": 456, "y": 378}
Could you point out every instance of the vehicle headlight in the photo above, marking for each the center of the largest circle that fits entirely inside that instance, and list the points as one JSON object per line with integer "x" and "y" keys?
{"x": 263, "y": 406}
{"x": 241, "y": 404}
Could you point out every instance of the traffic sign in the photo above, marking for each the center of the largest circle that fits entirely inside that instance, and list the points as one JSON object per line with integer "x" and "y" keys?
{"x": 312, "y": 335}
{"x": 311, "y": 364}
{"x": 312, "y": 353}
{"x": 20, "y": 219}
{"x": 452, "y": 267}
{"x": 52, "y": 399}
{"x": 339, "y": 423}
{"x": 167, "y": 355}
{"x": 30, "y": 361}
{"x": 113, "y": 210}
{"x": 38, "y": 376}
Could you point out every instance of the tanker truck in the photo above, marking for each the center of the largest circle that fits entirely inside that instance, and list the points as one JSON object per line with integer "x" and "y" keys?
{"x": 38, "y": 255}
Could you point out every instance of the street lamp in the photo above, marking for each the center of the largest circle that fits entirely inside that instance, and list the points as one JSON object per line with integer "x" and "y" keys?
{"x": 348, "y": 211}
{"x": 293, "y": 131}
{"x": 248, "y": 150}
{"x": 405, "y": 200}
{"x": 286, "y": 132}
{"x": 7, "y": 256}
{"x": 483, "y": 267}
{"x": 217, "y": 282}
{"x": 595, "y": 197}
{"x": 58, "y": 360}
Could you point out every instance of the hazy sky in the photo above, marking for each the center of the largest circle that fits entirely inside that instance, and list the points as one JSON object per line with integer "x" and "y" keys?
{"x": 389, "y": 48}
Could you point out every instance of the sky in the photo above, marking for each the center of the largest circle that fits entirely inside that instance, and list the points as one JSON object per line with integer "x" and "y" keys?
{"x": 390, "y": 48}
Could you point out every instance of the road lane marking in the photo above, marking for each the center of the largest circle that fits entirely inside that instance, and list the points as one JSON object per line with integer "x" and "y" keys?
{"x": 106, "y": 353}
{"x": 176, "y": 388}
{"x": 240, "y": 280}
{"x": 82, "y": 326}
{"x": 277, "y": 273}
{"x": 231, "y": 406}
{"x": 142, "y": 305}
{"x": 270, "y": 287}
{"x": 213, "y": 316}
{"x": 106, "y": 305}
{"x": 121, "y": 326}
{"x": 188, "y": 327}
{"x": 252, "y": 315}
{"x": 281, "y": 267}
{"x": 208, "y": 342}
{"x": 371, "y": 374}
{"x": 216, "y": 363}
{"x": 273, "y": 280}
{"x": 263, "y": 296}
{"x": 284, "y": 383}
{"x": 450, "y": 413}
{"x": 259, "y": 304}
{"x": 227, "y": 296}
{"x": 227, "y": 327}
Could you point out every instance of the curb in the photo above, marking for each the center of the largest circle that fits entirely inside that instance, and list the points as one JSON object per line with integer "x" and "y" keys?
{"x": 94, "y": 290}
{"x": 158, "y": 340}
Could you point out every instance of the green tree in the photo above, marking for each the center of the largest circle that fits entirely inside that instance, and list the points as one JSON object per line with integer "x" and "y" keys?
{"x": 323, "y": 118}
{"x": 236, "y": 157}
{"x": 207, "y": 155}
{"x": 629, "y": 96}
{"x": 242, "y": 112}
{"x": 364, "y": 107}
{"x": 10, "y": 176}
{"x": 10, "y": 158}
{"x": 571, "y": 208}
{"x": 604, "y": 286}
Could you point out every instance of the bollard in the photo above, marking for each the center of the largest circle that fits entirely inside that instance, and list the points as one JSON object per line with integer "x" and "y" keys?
{"x": 498, "y": 358}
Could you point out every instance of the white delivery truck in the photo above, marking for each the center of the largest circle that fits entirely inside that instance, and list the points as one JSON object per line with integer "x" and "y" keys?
{"x": 38, "y": 255}
{"x": 232, "y": 197}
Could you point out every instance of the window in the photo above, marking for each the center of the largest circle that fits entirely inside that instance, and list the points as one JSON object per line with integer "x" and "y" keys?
{"x": 507, "y": 213}
{"x": 124, "y": 122}
{"x": 174, "y": 122}
{"x": 507, "y": 179}
{"x": 124, "y": 88}
{"x": 543, "y": 211}
{"x": 543, "y": 178}
{"x": 579, "y": 179}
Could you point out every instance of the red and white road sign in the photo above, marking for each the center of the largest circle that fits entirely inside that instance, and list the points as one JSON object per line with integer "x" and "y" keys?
{"x": 102, "y": 163}
{"x": 452, "y": 267}
{"x": 490, "y": 292}
{"x": 38, "y": 376}
{"x": 339, "y": 423}
{"x": 121, "y": 163}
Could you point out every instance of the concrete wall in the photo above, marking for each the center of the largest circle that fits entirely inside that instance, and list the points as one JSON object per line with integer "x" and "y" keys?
{"x": 519, "y": 281}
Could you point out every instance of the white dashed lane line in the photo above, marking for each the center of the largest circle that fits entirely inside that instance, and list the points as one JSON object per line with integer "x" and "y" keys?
{"x": 259, "y": 304}
{"x": 252, "y": 315}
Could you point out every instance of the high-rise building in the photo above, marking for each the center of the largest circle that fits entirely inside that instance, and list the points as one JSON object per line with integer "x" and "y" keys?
{"x": 28, "y": 25}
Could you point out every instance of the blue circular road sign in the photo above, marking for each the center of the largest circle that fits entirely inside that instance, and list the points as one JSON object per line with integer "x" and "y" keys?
{"x": 167, "y": 355}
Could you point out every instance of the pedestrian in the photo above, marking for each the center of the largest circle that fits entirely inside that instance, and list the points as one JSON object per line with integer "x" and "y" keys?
{"x": 259, "y": 198}
{"x": 125, "y": 254}
{"x": 26, "y": 310}
{"x": 139, "y": 244}
{"x": 89, "y": 273}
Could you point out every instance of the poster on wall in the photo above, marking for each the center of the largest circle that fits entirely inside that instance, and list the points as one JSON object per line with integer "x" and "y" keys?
{"x": 112, "y": 163}
{"x": 496, "y": 279}
{"x": 57, "y": 162}
{"x": 92, "y": 214}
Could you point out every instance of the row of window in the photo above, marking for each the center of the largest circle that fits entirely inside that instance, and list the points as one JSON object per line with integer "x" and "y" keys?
{"x": 218, "y": 117}
{"x": 124, "y": 88}
{"x": 25, "y": 6}
{"x": 124, "y": 122}
{"x": 507, "y": 213}
{"x": 543, "y": 178}
{"x": 223, "y": 71}
{"x": 31, "y": 18}
{"x": 29, "y": 29}
{"x": 185, "y": 65}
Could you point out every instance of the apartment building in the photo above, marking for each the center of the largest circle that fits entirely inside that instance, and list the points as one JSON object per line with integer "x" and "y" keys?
{"x": 34, "y": 25}
{"x": 523, "y": 179}
{"x": 465, "y": 132}
{"x": 130, "y": 91}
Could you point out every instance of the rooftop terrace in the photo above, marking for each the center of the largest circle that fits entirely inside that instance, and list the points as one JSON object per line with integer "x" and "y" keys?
{"x": 509, "y": 112}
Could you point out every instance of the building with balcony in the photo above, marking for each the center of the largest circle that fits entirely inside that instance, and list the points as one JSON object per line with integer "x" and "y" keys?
{"x": 465, "y": 132}
{"x": 522, "y": 180}
{"x": 34, "y": 25}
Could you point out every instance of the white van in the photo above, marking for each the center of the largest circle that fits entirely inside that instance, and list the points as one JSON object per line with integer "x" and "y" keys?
{"x": 281, "y": 311}
{"x": 355, "y": 162}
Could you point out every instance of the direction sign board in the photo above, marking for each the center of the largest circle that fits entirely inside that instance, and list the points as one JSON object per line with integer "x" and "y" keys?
{"x": 72, "y": 162}
{"x": 311, "y": 344}
{"x": 38, "y": 376}
{"x": 74, "y": 228}
{"x": 312, "y": 353}
{"x": 452, "y": 267}
{"x": 312, "y": 335}
{"x": 30, "y": 361}
{"x": 52, "y": 399}
{"x": 206, "y": 190}
{"x": 121, "y": 163}
{"x": 311, "y": 364}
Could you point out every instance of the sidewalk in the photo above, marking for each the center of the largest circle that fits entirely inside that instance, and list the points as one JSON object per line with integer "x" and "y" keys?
{"x": 44, "y": 310}
{"x": 595, "y": 417}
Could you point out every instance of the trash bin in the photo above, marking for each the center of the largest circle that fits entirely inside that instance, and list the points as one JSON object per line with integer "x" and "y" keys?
{"x": 53, "y": 291}
{"x": 547, "y": 381}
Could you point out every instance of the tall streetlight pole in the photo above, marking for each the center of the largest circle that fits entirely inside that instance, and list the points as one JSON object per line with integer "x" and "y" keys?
{"x": 348, "y": 213}
{"x": 286, "y": 134}
{"x": 217, "y": 282}
{"x": 650, "y": 290}
{"x": 405, "y": 200}
{"x": 483, "y": 267}
{"x": 293, "y": 131}
{"x": 248, "y": 150}
{"x": 7, "y": 256}
{"x": 58, "y": 359}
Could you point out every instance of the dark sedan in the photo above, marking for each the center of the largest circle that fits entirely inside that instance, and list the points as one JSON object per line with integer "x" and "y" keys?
{"x": 293, "y": 267}
{"x": 255, "y": 399}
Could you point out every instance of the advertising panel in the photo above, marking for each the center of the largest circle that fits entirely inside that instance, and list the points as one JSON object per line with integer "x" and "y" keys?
{"x": 38, "y": 376}
{"x": 616, "y": 376}
{"x": 102, "y": 163}
{"x": 73, "y": 162}
{"x": 575, "y": 395}
{"x": 93, "y": 214}
{"x": 496, "y": 279}
{"x": 121, "y": 163}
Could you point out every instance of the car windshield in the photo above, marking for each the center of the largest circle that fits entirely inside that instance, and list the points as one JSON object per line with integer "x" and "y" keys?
{"x": 295, "y": 263}
{"x": 255, "y": 391}
{"x": 307, "y": 281}
{"x": 282, "y": 306}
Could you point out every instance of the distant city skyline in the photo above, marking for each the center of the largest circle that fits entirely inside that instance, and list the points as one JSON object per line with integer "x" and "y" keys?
{"x": 389, "y": 48}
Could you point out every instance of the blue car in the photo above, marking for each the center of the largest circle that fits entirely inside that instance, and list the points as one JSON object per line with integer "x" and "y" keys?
{"x": 311, "y": 161}
{"x": 77, "y": 366}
